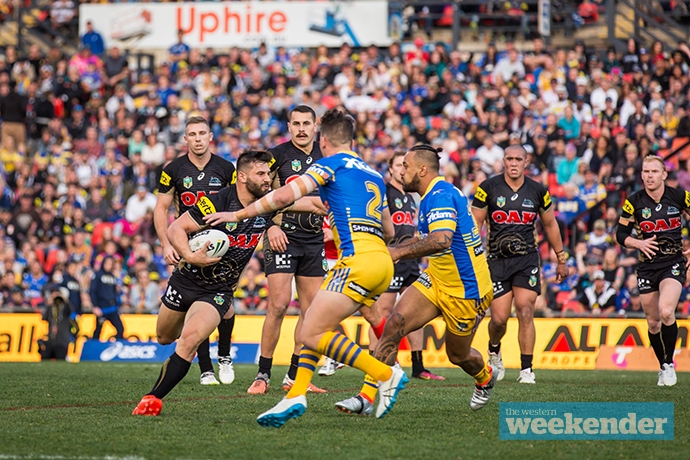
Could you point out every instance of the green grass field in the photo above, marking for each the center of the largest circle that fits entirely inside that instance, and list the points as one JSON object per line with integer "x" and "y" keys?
{"x": 61, "y": 410}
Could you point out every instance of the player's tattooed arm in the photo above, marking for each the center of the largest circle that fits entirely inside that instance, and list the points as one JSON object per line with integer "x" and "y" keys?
{"x": 387, "y": 349}
{"x": 433, "y": 243}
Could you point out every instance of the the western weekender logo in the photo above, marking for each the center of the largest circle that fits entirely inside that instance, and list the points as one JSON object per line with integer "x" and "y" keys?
{"x": 586, "y": 421}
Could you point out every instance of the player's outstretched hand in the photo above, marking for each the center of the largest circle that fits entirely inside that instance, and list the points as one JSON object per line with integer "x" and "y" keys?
{"x": 220, "y": 218}
{"x": 170, "y": 255}
{"x": 648, "y": 246}
{"x": 200, "y": 259}
{"x": 277, "y": 239}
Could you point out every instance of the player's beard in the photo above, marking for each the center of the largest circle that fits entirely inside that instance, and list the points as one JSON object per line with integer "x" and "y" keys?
{"x": 257, "y": 189}
{"x": 413, "y": 185}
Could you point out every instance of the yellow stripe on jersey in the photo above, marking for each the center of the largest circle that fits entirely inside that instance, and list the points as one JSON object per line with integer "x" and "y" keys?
{"x": 445, "y": 224}
{"x": 687, "y": 199}
{"x": 205, "y": 206}
{"x": 627, "y": 207}
{"x": 165, "y": 179}
{"x": 234, "y": 177}
{"x": 480, "y": 194}
{"x": 547, "y": 200}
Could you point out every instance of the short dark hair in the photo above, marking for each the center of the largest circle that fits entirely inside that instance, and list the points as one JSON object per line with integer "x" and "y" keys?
{"x": 247, "y": 159}
{"x": 196, "y": 120}
{"x": 396, "y": 154}
{"x": 303, "y": 109}
{"x": 517, "y": 147}
{"x": 338, "y": 127}
{"x": 427, "y": 155}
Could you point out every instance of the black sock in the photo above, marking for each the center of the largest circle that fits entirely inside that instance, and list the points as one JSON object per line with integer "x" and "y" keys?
{"x": 294, "y": 362}
{"x": 669, "y": 334}
{"x": 265, "y": 365}
{"x": 526, "y": 361}
{"x": 657, "y": 345}
{"x": 494, "y": 348}
{"x": 417, "y": 362}
{"x": 204, "y": 355}
{"x": 225, "y": 335}
{"x": 173, "y": 371}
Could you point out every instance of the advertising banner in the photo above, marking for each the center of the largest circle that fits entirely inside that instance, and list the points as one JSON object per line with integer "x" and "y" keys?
{"x": 243, "y": 24}
{"x": 120, "y": 350}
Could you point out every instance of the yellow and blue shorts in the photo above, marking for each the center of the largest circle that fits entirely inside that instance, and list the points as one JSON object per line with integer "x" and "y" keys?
{"x": 362, "y": 277}
{"x": 462, "y": 316}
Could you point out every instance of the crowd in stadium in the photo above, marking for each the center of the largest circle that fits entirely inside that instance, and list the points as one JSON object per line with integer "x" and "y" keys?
{"x": 85, "y": 138}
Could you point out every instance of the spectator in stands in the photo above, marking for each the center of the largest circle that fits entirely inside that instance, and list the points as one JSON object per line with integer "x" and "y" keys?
{"x": 139, "y": 204}
{"x": 598, "y": 241}
{"x": 599, "y": 297}
{"x": 13, "y": 112}
{"x": 93, "y": 39}
{"x": 144, "y": 295}
{"x": 62, "y": 13}
{"x": 568, "y": 165}
{"x": 57, "y": 312}
{"x": 179, "y": 51}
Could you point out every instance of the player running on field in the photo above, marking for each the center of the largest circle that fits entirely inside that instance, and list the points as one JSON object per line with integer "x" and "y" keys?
{"x": 200, "y": 290}
{"x": 510, "y": 204}
{"x": 183, "y": 183}
{"x": 354, "y": 194}
{"x": 456, "y": 285}
{"x": 655, "y": 213}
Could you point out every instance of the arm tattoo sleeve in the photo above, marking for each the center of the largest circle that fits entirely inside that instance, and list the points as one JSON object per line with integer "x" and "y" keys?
{"x": 433, "y": 243}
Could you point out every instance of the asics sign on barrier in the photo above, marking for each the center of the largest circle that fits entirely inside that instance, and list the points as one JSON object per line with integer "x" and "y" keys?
{"x": 241, "y": 353}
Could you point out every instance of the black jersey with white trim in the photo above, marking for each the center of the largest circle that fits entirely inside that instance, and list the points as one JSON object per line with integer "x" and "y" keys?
{"x": 290, "y": 163}
{"x": 244, "y": 237}
{"x": 511, "y": 215}
{"x": 403, "y": 211}
{"x": 662, "y": 219}
{"x": 188, "y": 184}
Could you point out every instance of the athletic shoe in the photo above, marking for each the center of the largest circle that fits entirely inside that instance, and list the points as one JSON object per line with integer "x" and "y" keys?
{"x": 388, "y": 391}
{"x": 329, "y": 367}
{"x": 283, "y": 411}
{"x": 669, "y": 372}
{"x": 496, "y": 362}
{"x": 208, "y": 378}
{"x": 426, "y": 375}
{"x": 482, "y": 394}
{"x": 526, "y": 376}
{"x": 355, "y": 405}
{"x": 288, "y": 382}
{"x": 226, "y": 372}
{"x": 660, "y": 382}
{"x": 260, "y": 384}
{"x": 149, "y": 405}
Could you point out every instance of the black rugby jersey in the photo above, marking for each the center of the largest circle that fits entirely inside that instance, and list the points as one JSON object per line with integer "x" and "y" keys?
{"x": 662, "y": 218}
{"x": 244, "y": 237}
{"x": 403, "y": 211}
{"x": 188, "y": 184}
{"x": 290, "y": 163}
{"x": 511, "y": 215}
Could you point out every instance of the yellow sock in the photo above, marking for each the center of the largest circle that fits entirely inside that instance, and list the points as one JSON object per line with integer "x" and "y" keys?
{"x": 338, "y": 347}
{"x": 305, "y": 371}
{"x": 483, "y": 377}
{"x": 369, "y": 389}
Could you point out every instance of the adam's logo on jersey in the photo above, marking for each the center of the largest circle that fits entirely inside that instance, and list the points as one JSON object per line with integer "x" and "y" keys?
{"x": 244, "y": 241}
{"x": 187, "y": 182}
{"x": 513, "y": 217}
{"x": 660, "y": 225}
{"x": 440, "y": 215}
{"x": 402, "y": 218}
{"x": 501, "y": 201}
{"x": 646, "y": 213}
{"x": 296, "y": 165}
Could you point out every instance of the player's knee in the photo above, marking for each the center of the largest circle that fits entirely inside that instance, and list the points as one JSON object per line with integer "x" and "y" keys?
{"x": 309, "y": 340}
{"x": 498, "y": 321}
{"x": 667, "y": 315}
{"x": 278, "y": 308}
{"x": 456, "y": 357}
{"x": 164, "y": 339}
{"x": 524, "y": 312}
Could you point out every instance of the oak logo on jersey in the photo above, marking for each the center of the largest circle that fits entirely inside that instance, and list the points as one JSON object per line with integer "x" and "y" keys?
{"x": 402, "y": 218}
{"x": 296, "y": 165}
{"x": 205, "y": 206}
{"x": 660, "y": 225}
{"x": 187, "y": 182}
{"x": 501, "y": 201}
{"x": 244, "y": 241}
{"x": 646, "y": 213}
{"x": 513, "y": 217}
{"x": 165, "y": 179}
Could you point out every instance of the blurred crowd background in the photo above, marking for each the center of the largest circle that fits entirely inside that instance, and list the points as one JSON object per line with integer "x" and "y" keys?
{"x": 84, "y": 138}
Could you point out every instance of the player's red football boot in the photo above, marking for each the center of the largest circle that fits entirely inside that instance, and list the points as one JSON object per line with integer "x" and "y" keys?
{"x": 149, "y": 405}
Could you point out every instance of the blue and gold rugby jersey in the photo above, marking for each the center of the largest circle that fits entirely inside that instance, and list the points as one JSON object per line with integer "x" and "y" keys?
{"x": 355, "y": 196}
{"x": 462, "y": 269}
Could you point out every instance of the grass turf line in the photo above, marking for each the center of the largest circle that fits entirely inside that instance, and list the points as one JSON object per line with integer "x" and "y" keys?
{"x": 62, "y": 410}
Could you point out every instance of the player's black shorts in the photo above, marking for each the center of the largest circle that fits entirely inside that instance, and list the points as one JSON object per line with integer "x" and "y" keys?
{"x": 303, "y": 257}
{"x": 181, "y": 293}
{"x": 649, "y": 275}
{"x": 406, "y": 273}
{"x": 521, "y": 271}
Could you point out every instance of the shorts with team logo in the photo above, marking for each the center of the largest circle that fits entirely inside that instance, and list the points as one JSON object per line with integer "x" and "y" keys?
{"x": 650, "y": 275}
{"x": 520, "y": 271}
{"x": 303, "y": 257}
{"x": 406, "y": 273}
{"x": 181, "y": 293}
{"x": 462, "y": 316}
{"x": 362, "y": 277}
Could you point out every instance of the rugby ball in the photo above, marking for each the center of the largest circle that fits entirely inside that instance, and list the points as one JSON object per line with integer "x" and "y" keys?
{"x": 219, "y": 242}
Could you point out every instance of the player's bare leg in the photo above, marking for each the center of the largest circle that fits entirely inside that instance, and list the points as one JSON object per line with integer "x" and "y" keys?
{"x": 659, "y": 308}
{"x": 500, "y": 313}
{"x": 169, "y": 325}
{"x": 524, "y": 309}
{"x": 460, "y": 352}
